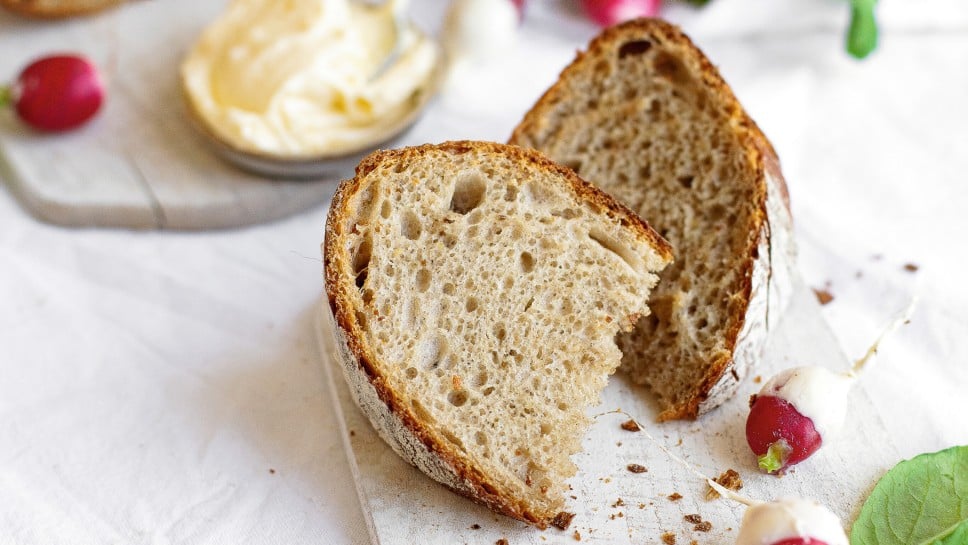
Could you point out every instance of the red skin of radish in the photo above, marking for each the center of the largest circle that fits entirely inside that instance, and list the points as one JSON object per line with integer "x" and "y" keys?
{"x": 610, "y": 12}
{"x": 58, "y": 93}
{"x": 772, "y": 421}
{"x": 800, "y": 541}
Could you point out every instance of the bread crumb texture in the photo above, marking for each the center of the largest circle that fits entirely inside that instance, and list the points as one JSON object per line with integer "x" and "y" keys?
{"x": 644, "y": 115}
{"x": 487, "y": 286}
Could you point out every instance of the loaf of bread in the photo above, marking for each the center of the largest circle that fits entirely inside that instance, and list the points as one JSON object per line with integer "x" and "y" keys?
{"x": 477, "y": 290}
{"x": 54, "y": 9}
{"x": 644, "y": 115}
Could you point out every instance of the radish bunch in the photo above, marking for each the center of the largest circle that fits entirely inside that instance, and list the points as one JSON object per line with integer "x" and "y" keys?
{"x": 799, "y": 408}
{"x": 55, "y": 93}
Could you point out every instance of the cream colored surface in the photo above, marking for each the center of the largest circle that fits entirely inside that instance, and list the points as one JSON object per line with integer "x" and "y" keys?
{"x": 768, "y": 523}
{"x": 294, "y": 78}
{"x": 815, "y": 392}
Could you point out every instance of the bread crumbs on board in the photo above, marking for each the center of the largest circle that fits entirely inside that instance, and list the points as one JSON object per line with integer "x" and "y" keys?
{"x": 911, "y": 267}
{"x": 636, "y": 468}
{"x": 562, "y": 520}
{"x": 576, "y": 535}
{"x": 675, "y": 496}
{"x": 501, "y": 541}
{"x": 669, "y": 538}
{"x": 729, "y": 480}
{"x": 631, "y": 425}
{"x": 823, "y": 296}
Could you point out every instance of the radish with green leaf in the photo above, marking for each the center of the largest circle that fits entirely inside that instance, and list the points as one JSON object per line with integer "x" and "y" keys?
{"x": 787, "y": 521}
{"x": 800, "y": 408}
{"x": 55, "y": 93}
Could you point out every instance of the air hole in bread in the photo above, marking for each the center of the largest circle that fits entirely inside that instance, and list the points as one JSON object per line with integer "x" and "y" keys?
{"x": 686, "y": 181}
{"x": 500, "y": 332}
{"x": 448, "y": 289}
{"x": 471, "y": 304}
{"x": 611, "y": 245}
{"x": 468, "y": 192}
{"x": 511, "y": 193}
{"x": 488, "y": 391}
{"x": 453, "y": 439}
{"x": 546, "y": 428}
{"x": 430, "y": 351}
{"x": 410, "y": 225}
{"x": 423, "y": 280}
{"x": 480, "y": 438}
{"x": 717, "y": 212}
{"x": 420, "y": 411}
{"x": 527, "y": 305}
{"x": 361, "y": 260}
{"x": 411, "y": 372}
{"x": 567, "y": 213}
{"x": 635, "y": 47}
{"x": 457, "y": 398}
{"x": 385, "y": 209}
{"x": 527, "y": 262}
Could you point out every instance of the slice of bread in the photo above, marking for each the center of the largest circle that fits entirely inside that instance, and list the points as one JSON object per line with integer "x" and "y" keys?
{"x": 644, "y": 115}
{"x": 477, "y": 290}
{"x": 55, "y": 9}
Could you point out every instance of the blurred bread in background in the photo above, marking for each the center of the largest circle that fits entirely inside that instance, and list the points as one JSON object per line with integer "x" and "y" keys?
{"x": 55, "y": 9}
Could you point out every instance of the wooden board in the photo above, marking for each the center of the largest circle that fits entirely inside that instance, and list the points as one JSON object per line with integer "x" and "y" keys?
{"x": 139, "y": 164}
{"x": 402, "y": 506}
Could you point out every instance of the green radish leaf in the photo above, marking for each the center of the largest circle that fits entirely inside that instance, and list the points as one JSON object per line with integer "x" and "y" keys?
{"x": 6, "y": 96}
{"x": 698, "y": 2}
{"x": 958, "y": 537}
{"x": 862, "y": 33}
{"x": 921, "y": 501}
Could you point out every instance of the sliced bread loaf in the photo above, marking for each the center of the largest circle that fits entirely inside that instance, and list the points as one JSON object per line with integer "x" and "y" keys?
{"x": 54, "y": 9}
{"x": 644, "y": 115}
{"x": 477, "y": 290}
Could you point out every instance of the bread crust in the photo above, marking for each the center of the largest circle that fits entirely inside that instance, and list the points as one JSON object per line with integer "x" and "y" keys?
{"x": 57, "y": 9}
{"x": 770, "y": 251}
{"x": 391, "y": 416}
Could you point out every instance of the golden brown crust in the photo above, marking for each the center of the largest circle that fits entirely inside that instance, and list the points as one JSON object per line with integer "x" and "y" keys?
{"x": 57, "y": 9}
{"x": 479, "y": 487}
{"x": 759, "y": 153}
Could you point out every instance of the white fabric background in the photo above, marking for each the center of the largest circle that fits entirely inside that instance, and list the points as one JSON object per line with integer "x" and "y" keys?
{"x": 164, "y": 387}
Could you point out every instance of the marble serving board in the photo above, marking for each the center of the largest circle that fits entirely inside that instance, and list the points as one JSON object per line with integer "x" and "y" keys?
{"x": 139, "y": 163}
{"x": 614, "y": 506}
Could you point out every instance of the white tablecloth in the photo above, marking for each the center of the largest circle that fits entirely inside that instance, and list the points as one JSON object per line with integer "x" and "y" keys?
{"x": 160, "y": 387}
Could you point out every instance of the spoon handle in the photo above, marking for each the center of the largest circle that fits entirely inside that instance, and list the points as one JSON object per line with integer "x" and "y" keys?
{"x": 398, "y": 10}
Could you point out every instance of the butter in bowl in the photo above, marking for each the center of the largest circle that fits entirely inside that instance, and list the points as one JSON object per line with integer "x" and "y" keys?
{"x": 306, "y": 88}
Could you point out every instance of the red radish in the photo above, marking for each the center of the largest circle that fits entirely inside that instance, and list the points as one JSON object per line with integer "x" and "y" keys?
{"x": 56, "y": 93}
{"x": 799, "y": 408}
{"x": 790, "y": 521}
{"x": 610, "y": 12}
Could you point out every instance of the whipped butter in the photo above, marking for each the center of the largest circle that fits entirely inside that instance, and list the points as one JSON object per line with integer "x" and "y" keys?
{"x": 295, "y": 78}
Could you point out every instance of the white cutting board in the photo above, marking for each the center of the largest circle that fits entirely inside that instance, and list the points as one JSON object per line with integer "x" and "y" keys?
{"x": 139, "y": 164}
{"x": 403, "y": 507}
